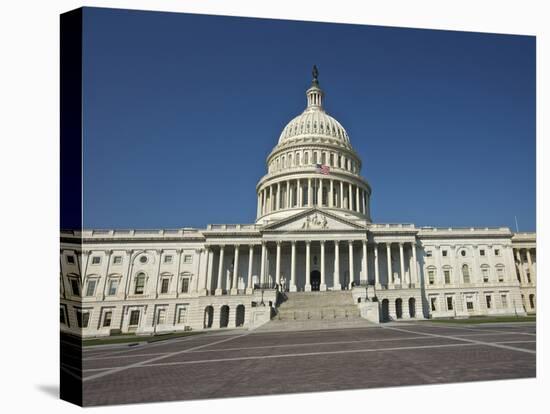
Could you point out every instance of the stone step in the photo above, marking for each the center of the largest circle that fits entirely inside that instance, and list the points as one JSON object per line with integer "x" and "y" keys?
{"x": 319, "y": 314}
{"x": 311, "y": 325}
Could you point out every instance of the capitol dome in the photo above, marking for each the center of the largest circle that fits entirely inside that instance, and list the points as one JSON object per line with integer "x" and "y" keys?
{"x": 314, "y": 122}
{"x": 313, "y": 165}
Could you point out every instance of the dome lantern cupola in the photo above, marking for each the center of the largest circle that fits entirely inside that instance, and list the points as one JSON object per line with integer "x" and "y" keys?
{"x": 314, "y": 93}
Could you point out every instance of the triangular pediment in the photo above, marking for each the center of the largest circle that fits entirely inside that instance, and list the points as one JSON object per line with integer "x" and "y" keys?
{"x": 314, "y": 220}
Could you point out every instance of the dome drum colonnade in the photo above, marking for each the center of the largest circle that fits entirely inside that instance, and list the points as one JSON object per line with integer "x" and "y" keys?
{"x": 309, "y": 141}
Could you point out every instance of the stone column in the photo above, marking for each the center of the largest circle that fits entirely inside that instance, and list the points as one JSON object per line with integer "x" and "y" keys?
{"x": 530, "y": 263}
{"x": 278, "y": 197}
{"x": 307, "y": 287}
{"x": 319, "y": 192}
{"x": 309, "y": 193}
{"x": 401, "y": 262}
{"x": 209, "y": 274}
{"x": 278, "y": 263}
{"x": 364, "y": 264}
{"x": 390, "y": 273}
{"x": 262, "y": 263}
{"x": 351, "y": 276}
{"x": 414, "y": 275}
{"x": 520, "y": 265}
{"x": 357, "y": 205}
{"x": 219, "y": 290}
{"x": 350, "y": 197}
{"x": 341, "y": 194}
{"x": 331, "y": 197}
{"x": 376, "y": 268}
{"x": 234, "y": 282}
{"x": 250, "y": 263}
{"x": 337, "y": 285}
{"x": 259, "y": 205}
{"x": 293, "y": 267}
{"x": 299, "y": 194}
{"x": 288, "y": 195}
{"x": 323, "y": 285}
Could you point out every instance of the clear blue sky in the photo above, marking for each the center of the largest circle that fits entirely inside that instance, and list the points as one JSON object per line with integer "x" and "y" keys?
{"x": 180, "y": 112}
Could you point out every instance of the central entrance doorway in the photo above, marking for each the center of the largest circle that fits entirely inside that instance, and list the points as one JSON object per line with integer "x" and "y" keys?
{"x": 315, "y": 280}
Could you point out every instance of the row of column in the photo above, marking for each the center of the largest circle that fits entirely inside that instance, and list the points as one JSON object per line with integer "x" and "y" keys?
{"x": 520, "y": 262}
{"x": 328, "y": 158}
{"x": 290, "y": 193}
{"x": 412, "y": 275}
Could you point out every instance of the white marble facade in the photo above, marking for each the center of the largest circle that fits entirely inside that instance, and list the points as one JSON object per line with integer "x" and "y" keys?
{"x": 313, "y": 232}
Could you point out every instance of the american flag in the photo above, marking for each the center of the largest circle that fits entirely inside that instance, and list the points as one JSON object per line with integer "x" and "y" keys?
{"x": 323, "y": 169}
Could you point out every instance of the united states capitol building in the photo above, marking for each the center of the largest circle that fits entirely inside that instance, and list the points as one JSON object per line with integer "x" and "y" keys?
{"x": 314, "y": 238}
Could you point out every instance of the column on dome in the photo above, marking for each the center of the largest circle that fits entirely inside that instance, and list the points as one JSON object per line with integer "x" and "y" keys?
{"x": 235, "y": 281}
{"x": 309, "y": 193}
{"x": 288, "y": 195}
{"x": 342, "y": 205}
{"x": 219, "y": 290}
{"x": 331, "y": 196}
{"x": 323, "y": 285}
{"x": 337, "y": 285}
{"x": 258, "y": 206}
{"x": 278, "y": 197}
{"x": 319, "y": 192}
{"x": 299, "y": 194}
{"x": 307, "y": 287}
{"x": 357, "y": 199}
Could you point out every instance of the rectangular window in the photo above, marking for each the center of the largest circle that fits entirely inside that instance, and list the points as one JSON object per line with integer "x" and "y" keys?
{"x": 488, "y": 301}
{"x": 431, "y": 277}
{"x": 449, "y": 303}
{"x": 444, "y": 253}
{"x": 485, "y": 274}
{"x": 113, "y": 286}
{"x": 504, "y": 300}
{"x": 428, "y": 253}
{"x": 187, "y": 258}
{"x": 96, "y": 260}
{"x": 161, "y": 316}
{"x": 140, "y": 284}
{"x": 75, "y": 286}
{"x": 182, "y": 315}
{"x": 62, "y": 317}
{"x": 107, "y": 319}
{"x": 134, "y": 318}
{"x": 482, "y": 252}
{"x": 70, "y": 259}
{"x": 500, "y": 274}
{"x": 82, "y": 318}
{"x": 164, "y": 285}
{"x": 168, "y": 259}
{"x": 447, "y": 274}
{"x": 497, "y": 252}
{"x": 469, "y": 305}
{"x": 90, "y": 290}
{"x": 528, "y": 274}
{"x": 117, "y": 260}
{"x": 433, "y": 302}
{"x": 185, "y": 285}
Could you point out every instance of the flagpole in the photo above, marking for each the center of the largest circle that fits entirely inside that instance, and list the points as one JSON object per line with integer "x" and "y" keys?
{"x": 517, "y": 228}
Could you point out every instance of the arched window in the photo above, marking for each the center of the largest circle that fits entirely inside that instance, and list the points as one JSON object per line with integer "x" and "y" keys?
{"x": 306, "y": 158}
{"x": 284, "y": 162}
{"x": 332, "y": 160}
{"x": 139, "y": 286}
{"x": 431, "y": 275}
{"x": 485, "y": 273}
{"x": 466, "y": 273}
{"x": 323, "y": 158}
{"x": 297, "y": 158}
{"x": 290, "y": 160}
{"x": 315, "y": 157}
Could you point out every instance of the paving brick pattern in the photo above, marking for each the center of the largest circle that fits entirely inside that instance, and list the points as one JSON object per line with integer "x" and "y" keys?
{"x": 264, "y": 363}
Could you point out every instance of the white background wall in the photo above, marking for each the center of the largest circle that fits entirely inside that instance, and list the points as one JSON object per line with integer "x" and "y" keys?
{"x": 30, "y": 83}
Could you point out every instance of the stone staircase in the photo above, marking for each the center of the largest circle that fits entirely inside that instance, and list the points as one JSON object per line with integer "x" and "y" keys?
{"x": 316, "y": 310}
